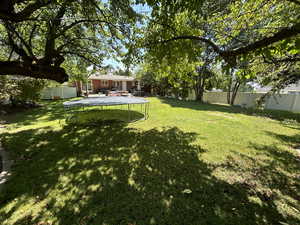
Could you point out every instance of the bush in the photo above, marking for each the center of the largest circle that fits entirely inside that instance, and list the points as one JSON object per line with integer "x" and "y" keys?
{"x": 8, "y": 88}
{"x": 29, "y": 90}
{"x": 21, "y": 91}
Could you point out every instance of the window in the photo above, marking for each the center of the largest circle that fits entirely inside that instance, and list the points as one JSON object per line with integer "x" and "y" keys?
{"x": 104, "y": 83}
{"x": 116, "y": 83}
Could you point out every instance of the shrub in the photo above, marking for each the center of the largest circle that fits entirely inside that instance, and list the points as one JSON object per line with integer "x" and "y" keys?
{"x": 29, "y": 90}
{"x": 20, "y": 91}
{"x": 8, "y": 88}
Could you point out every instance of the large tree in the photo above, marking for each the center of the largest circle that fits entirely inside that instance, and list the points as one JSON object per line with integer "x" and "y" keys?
{"x": 257, "y": 31}
{"x": 218, "y": 23}
{"x": 38, "y": 37}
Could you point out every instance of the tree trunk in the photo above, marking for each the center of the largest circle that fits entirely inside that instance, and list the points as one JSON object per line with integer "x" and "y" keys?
{"x": 234, "y": 92}
{"x": 199, "y": 94}
{"x": 229, "y": 90}
{"x": 199, "y": 89}
{"x": 33, "y": 70}
{"x": 78, "y": 88}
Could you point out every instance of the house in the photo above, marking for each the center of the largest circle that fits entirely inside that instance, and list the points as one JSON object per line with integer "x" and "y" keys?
{"x": 99, "y": 83}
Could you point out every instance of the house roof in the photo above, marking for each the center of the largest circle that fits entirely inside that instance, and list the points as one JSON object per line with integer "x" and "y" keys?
{"x": 98, "y": 76}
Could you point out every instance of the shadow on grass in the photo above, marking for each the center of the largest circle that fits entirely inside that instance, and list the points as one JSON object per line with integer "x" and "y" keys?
{"x": 54, "y": 110}
{"x": 293, "y": 141}
{"x": 112, "y": 174}
{"x": 96, "y": 117}
{"x": 273, "y": 181}
{"x": 273, "y": 114}
{"x": 49, "y": 110}
{"x": 271, "y": 176}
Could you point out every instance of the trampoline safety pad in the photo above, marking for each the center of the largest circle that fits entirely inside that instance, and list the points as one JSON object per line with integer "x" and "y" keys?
{"x": 110, "y": 101}
{"x": 105, "y": 101}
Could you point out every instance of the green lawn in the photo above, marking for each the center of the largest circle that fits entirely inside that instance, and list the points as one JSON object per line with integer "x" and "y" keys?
{"x": 188, "y": 164}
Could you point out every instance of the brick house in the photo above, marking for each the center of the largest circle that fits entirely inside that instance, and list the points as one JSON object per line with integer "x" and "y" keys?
{"x": 98, "y": 83}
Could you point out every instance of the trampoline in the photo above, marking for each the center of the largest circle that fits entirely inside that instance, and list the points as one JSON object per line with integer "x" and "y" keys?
{"x": 129, "y": 103}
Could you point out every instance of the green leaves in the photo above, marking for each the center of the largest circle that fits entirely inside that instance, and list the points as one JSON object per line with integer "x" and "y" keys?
{"x": 243, "y": 32}
{"x": 297, "y": 43}
{"x": 85, "y": 32}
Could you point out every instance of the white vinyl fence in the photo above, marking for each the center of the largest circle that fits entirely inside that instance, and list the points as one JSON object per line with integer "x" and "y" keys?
{"x": 58, "y": 92}
{"x": 287, "y": 102}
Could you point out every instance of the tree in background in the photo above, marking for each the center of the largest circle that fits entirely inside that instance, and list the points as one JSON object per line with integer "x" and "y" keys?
{"x": 202, "y": 81}
{"x": 123, "y": 72}
{"x": 180, "y": 76}
{"x": 152, "y": 81}
{"x": 235, "y": 79}
{"x": 205, "y": 77}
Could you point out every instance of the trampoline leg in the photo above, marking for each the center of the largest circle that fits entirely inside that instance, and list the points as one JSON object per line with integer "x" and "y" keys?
{"x": 147, "y": 110}
{"x": 128, "y": 112}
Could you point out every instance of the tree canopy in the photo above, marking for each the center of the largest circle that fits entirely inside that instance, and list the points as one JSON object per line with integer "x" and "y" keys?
{"x": 48, "y": 38}
{"x": 262, "y": 34}
{"x": 38, "y": 38}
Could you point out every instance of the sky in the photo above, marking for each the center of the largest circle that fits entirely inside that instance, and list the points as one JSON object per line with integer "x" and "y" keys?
{"x": 139, "y": 8}
{"x": 113, "y": 63}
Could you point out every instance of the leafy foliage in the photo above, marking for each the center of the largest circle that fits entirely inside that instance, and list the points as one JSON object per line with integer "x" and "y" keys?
{"x": 7, "y": 88}
{"x": 262, "y": 34}
{"x": 21, "y": 91}
{"x": 29, "y": 89}
{"x": 61, "y": 31}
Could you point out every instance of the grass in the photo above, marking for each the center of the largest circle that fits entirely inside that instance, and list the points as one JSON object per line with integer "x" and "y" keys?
{"x": 97, "y": 116}
{"x": 189, "y": 163}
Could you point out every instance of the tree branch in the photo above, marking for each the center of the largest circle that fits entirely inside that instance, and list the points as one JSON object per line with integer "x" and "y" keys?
{"x": 12, "y": 29}
{"x": 230, "y": 55}
{"x": 33, "y": 70}
{"x": 18, "y": 49}
{"x": 69, "y": 42}
{"x": 7, "y": 10}
{"x": 81, "y": 56}
{"x": 53, "y": 25}
{"x": 265, "y": 42}
{"x": 288, "y": 59}
{"x": 191, "y": 37}
{"x": 295, "y": 1}
{"x": 78, "y": 22}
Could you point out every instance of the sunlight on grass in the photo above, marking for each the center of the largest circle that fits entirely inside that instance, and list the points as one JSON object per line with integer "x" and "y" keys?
{"x": 189, "y": 163}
